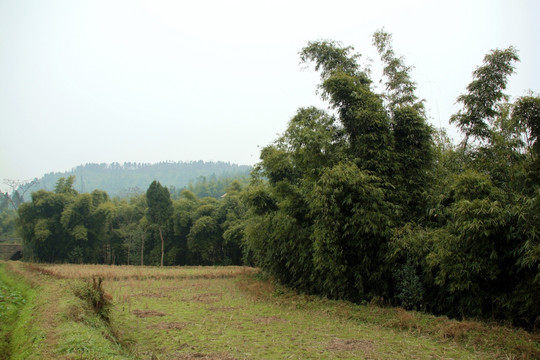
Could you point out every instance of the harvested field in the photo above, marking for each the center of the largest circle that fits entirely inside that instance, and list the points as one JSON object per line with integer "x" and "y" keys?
{"x": 228, "y": 313}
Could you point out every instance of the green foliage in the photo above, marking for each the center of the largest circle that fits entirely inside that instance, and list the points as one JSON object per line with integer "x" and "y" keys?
{"x": 373, "y": 203}
{"x": 529, "y": 226}
{"x": 313, "y": 140}
{"x": 260, "y": 200}
{"x": 526, "y": 111}
{"x": 231, "y": 215}
{"x": 204, "y": 240}
{"x": 159, "y": 203}
{"x": 44, "y": 237}
{"x": 209, "y": 187}
{"x": 330, "y": 56}
{"x": 4, "y": 201}
{"x": 351, "y": 229}
{"x": 409, "y": 288}
{"x": 413, "y": 144}
{"x": 414, "y": 158}
{"x": 485, "y": 92}
{"x": 361, "y": 111}
{"x": 337, "y": 185}
{"x": 66, "y": 226}
{"x": 365, "y": 122}
{"x": 94, "y": 295}
{"x": 90, "y": 228}
{"x": 8, "y": 222}
{"x": 469, "y": 255}
{"x": 160, "y": 209}
{"x": 65, "y": 186}
{"x": 399, "y": 85}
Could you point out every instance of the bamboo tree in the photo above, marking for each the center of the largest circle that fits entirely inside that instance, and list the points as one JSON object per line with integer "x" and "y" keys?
{"x": 159, "y": 209}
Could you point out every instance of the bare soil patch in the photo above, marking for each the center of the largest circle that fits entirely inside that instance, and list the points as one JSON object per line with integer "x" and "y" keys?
{"x": 338, "y": 345}
{"x": 168, "y": 326}
{"x": 147, "y": 313}
{"x": 268, "y": 320}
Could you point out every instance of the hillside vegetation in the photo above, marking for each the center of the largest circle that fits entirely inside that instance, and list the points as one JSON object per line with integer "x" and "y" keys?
{"x": 133, "y": 178}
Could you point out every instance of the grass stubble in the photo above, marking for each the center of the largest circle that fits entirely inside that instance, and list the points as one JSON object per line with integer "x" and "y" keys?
{"x": 231, "y": 313}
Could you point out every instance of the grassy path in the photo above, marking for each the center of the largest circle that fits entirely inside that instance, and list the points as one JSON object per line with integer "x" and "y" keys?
{"x": 11, "y": 302}
{"x": 54, "y": 323}
{"x": 227, "y": 313}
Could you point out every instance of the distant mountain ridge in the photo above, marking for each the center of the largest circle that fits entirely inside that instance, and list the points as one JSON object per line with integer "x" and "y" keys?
{"x": 129, "y": 178}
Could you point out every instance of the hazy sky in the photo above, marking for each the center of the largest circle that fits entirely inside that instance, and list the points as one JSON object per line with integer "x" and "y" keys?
{"x": 149, "y": 81}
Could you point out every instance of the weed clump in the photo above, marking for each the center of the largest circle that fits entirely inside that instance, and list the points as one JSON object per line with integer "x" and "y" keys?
{"x": 95, "y": 296}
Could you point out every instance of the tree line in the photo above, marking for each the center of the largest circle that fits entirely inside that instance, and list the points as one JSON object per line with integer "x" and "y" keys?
{"x": 147, "y": 229}
{"x": 364, "y": 201}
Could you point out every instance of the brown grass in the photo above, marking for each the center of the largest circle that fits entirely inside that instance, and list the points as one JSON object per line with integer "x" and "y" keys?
{"x": 462, "y": 330}
{"x": 406, "y": 320}
{"x": 123, "y": 272}
{"x": 256, "y": 289}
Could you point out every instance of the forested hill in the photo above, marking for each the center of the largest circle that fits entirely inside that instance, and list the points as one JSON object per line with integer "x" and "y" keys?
{"x": 128, "y": 178}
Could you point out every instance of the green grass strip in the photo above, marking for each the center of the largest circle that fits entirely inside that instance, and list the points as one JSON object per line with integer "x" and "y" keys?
{"x": 15, "y": 296}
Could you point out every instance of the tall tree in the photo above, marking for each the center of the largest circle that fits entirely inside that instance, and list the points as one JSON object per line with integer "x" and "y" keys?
{"x": 526, "y": 112}
{"x": 481, "y": 103}
{"x": 413, "y": 143}
{"x": 323, "y": 219}
{"x": 160, "y": 209}
{"x": 361, "y": 111}
{"x": 400, "y": 88}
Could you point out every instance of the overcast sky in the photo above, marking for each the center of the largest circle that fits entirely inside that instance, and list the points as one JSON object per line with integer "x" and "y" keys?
{"x": 149, "y": 81}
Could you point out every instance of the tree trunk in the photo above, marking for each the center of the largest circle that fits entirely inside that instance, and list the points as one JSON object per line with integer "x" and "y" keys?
{"x": 142, "y": 250}
{"x": 162, "y": 245}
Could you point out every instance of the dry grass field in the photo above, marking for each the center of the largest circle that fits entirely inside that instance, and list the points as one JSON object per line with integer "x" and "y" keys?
{"x": 122, "y": 272}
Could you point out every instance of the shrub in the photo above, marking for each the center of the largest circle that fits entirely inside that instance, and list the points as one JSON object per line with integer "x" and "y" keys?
{"x": 410, "y": 291}
{"x": 93, "y": 293}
